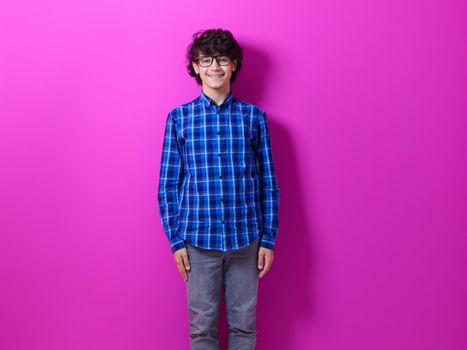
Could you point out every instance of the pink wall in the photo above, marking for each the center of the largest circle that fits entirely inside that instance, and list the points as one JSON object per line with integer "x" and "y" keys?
{"x": 367, "y": 110}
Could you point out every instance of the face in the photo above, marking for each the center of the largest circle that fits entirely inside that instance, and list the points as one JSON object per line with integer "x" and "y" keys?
{"x": 215, "y": 77}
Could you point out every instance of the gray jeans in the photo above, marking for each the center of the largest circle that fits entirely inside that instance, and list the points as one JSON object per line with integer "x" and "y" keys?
{"x": 237, "y": 271}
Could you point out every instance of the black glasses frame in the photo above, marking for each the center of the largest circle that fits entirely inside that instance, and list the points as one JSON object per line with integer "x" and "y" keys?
{"x": 212, "y": 60}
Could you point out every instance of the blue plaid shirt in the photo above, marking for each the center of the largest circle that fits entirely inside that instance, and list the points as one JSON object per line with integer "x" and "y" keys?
{"x": 217, "y": 186}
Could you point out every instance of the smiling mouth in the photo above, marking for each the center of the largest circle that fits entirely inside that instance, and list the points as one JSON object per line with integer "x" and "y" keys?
{"x": 215, "y": 75}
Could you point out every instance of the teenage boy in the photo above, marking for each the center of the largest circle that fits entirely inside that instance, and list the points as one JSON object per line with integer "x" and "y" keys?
{"x": 218, "y": 195}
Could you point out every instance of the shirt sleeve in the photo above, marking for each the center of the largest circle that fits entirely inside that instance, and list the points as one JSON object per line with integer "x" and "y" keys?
{"x": 270, "y": 191}
{"x": 170, "y": 180}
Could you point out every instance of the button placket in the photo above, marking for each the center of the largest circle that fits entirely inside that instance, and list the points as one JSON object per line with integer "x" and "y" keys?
{"x": 221, "y": 199}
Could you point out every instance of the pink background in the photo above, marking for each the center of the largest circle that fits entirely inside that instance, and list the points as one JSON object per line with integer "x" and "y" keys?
{"x": 367, "y": 109}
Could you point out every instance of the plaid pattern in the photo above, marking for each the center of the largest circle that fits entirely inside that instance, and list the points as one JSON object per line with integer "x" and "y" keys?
{"x": 217, "y": 186}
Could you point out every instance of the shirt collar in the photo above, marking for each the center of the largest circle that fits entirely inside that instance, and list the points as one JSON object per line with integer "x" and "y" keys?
{"x": 210, "y": 102}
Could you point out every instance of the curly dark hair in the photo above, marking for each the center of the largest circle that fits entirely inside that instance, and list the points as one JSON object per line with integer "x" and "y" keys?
{"x": 210, "y": 42}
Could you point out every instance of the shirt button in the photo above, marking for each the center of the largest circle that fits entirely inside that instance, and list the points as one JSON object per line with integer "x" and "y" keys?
{"x": 220, "y": 177}
{"x": 223, "y": 222}
{"x": 219, "y": 154}
{"x": 218, "y": 133}
{"x": 222, "y": 199}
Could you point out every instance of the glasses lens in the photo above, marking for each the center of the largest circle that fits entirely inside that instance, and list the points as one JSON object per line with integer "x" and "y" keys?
{"x": 205, "y": 61}
{"x": 223, "y": 60}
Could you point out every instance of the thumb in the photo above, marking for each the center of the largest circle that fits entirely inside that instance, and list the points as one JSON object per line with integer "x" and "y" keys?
{"x": 186, "y": 261}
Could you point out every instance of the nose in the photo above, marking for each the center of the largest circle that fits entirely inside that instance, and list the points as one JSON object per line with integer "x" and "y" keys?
{"x": 215, "y": 64}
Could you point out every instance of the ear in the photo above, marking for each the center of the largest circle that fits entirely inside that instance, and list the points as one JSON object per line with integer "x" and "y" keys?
{"x": 234, "y": 65}
{"x": 195, "y": 67}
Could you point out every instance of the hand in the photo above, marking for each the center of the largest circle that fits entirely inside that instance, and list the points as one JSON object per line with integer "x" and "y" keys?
{"x": 265, "y": 259}
{"x": 182, "y": 261}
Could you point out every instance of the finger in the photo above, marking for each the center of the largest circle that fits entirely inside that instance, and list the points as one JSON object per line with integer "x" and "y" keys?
{"x": 181, "y": 269}
{"x": 267, "y": 265}
{"x": 261, "y": 254}
{"x": 180, "y": 265}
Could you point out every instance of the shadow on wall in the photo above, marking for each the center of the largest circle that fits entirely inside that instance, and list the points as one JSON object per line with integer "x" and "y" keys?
{"x": 284, "y": 293}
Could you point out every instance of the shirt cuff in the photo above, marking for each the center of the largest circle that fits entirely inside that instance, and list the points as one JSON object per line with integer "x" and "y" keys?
{"x": 267, "y": 240}
{"x": 176, "y": 243}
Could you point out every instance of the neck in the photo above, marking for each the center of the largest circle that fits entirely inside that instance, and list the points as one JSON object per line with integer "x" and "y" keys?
{"x": 217, "y": 95}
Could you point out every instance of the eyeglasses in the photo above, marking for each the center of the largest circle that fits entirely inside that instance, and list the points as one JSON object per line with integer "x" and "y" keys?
{"x": 206, "y": 61}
